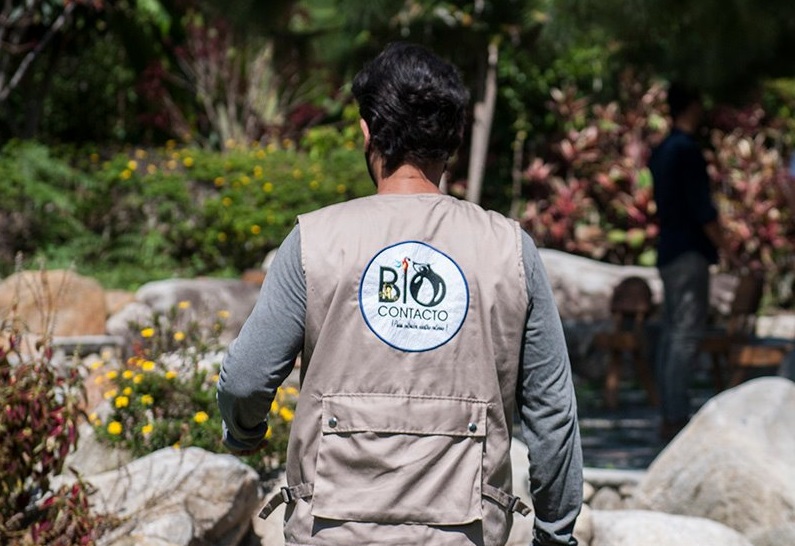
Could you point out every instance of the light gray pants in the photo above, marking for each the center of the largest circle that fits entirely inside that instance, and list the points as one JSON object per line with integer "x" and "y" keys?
{"x": 685, "y": 308}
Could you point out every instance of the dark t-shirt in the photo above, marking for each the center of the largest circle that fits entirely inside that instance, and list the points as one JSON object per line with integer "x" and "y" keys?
{"x": 682, "y": 194}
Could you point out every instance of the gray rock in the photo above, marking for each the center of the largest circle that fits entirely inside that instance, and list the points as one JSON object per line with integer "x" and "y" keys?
{"x": 641, "y": 528}
{"x": 93, "y": 457}
{"x": 583, "y": 528}
{"x": 182, "y": 497}
{"x": 133, "y": 313}
{"x": 588, "y": 491}
{"x": 775, "y": 536}
{"x": 207, "y": 297}
{"x": 733, "y": 463}
{"x": 583, "y": 287}
{"x": 607, "y": 498}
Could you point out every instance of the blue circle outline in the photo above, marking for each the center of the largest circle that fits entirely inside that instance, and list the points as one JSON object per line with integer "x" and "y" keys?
{"x": 370, "y": 326}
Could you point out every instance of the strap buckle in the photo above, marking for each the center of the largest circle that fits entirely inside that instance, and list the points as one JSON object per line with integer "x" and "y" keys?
{"x": 287, "y": 495}
{"x": 513, "y": 503}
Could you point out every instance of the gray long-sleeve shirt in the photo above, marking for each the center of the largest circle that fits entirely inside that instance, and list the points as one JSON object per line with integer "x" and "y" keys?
{"x": 262, "y": 356}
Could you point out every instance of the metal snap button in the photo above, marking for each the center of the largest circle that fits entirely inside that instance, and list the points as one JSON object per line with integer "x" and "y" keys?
{"x": 332, "y": 422}
{"x": 473, "y": 427}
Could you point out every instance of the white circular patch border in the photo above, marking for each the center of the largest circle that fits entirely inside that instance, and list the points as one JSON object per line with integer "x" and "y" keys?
{"x": 397, "y": 339}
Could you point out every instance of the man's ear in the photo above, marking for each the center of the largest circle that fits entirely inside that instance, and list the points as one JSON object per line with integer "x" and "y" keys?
{"x": 365, "y": 131}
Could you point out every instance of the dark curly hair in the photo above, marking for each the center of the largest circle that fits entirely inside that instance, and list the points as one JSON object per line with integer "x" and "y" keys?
{"x": 414, "y": 105}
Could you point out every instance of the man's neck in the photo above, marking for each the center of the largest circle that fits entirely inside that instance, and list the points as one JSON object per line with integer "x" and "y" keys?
{"x": 408, "y": 179}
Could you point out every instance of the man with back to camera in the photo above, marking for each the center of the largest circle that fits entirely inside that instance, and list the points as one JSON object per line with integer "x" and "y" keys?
{"x": 690, "y": 237}
{"x": 422, "y": 321}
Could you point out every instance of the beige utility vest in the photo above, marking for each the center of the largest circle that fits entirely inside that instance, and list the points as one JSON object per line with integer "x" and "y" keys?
{"x": 416, "y": 307}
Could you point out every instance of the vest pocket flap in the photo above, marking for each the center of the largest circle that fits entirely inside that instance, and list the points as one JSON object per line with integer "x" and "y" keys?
{"x": 404, "y": 414}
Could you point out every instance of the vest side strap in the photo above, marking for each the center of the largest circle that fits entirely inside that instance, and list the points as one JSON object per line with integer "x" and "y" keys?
{"x": 287, "y": 495}
{"x": 509, "y": 503}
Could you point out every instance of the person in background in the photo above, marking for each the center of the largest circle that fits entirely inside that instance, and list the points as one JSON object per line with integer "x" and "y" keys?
{"x": 424, "y": 323}
{"x": 690, "y": 240}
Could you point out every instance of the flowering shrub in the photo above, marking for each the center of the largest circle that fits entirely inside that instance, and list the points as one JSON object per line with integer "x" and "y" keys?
{"x": 156, "y": 400}
{"x": 591, "y": 193}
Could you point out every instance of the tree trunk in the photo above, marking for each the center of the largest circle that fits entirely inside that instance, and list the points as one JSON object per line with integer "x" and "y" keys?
{"x": 481, "y": 127}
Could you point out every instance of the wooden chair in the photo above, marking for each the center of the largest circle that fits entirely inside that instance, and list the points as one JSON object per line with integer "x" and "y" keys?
{"x": 630, "y": 307}
{"x": 753, "y": 356}
{"x": 737, "y": 327}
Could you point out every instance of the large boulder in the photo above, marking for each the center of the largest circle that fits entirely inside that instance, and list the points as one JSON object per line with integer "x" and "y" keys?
{"x": 640, "y": 528}
{"x": 734, "y": 463}
{"x": 583, "y": 286}
{"x": 206, "y": 297}
{"x": 74, "y": 305}
{"x": 178, "y": 497}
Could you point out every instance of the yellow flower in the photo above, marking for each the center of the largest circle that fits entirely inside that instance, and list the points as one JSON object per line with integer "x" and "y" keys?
{"x": 230, "y": 143}
{"x": 94, "y": 158}
{"x": 200, "y": 417}
{"x": 128, "y": 374}
{"x": 226, "y": 201}
{"x": 314, "y": 184}
{"x": 127, "y": 391}
{"x": 171, "y": 374}
{"x": 184, "y": 304}
{"x": 113, "y": 374}
{"x": 286, "y": 414}
{"x": 98, "y": 379}
{"x": 188, "y": 162}
{"x": 122, "y": 402}
{"x": 147, "y": 332}
{"x": 148, "y": 366}
{"x": 92, "y": 416}
{"x": 138, "y": 378}
{"x": 268, "y": 434}
{"x": 97, "y": 364}
{"x": 110, "y": 394}
{"x": 115, "y": 428}
{"x": 257, "y": 171}
{"x": 222, "y": 236}
{"x": 140, "y": 154}
{"x": 256, "y": 230}
{"x": 125, "y": 174}
{"x": 132, "y": 165}
{"x": 275, "y": 407}
{"x": 214, "y": 378}
{"x": 171, "y": 144}
{"x": 151, "y": 168}
{"x": 219, "y": 181}
{"x": 223, "y": 314}
{"x": 147, "y": 400}
{"x": 176, "y": 445}
{"x": 287, "y": 143}
{"x": 341, "y": 188}
{"x": 292, "y": 391}
{"x": 171, "y": 164}
{"x": 350, "y": 145}
{"x": 260, "y": 154}
{"x": 272, "y": 147}
{"x": 179, "y": 336}
{"x": 245, "y": 180}
{"x": 297, "y": 173}
{"x": 147, "y": 429}
{"x": 267, "y": 187}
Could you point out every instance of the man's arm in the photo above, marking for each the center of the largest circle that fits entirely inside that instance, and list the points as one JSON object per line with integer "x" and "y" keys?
{"x": 548, "y": 410}
{"x": 262, "y": 356}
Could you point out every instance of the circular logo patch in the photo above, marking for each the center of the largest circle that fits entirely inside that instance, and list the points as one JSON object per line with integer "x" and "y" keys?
{"x": 413, "y": 297}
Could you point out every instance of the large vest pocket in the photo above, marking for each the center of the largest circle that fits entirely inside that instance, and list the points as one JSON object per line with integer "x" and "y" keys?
{"x": 400, "y": 459}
